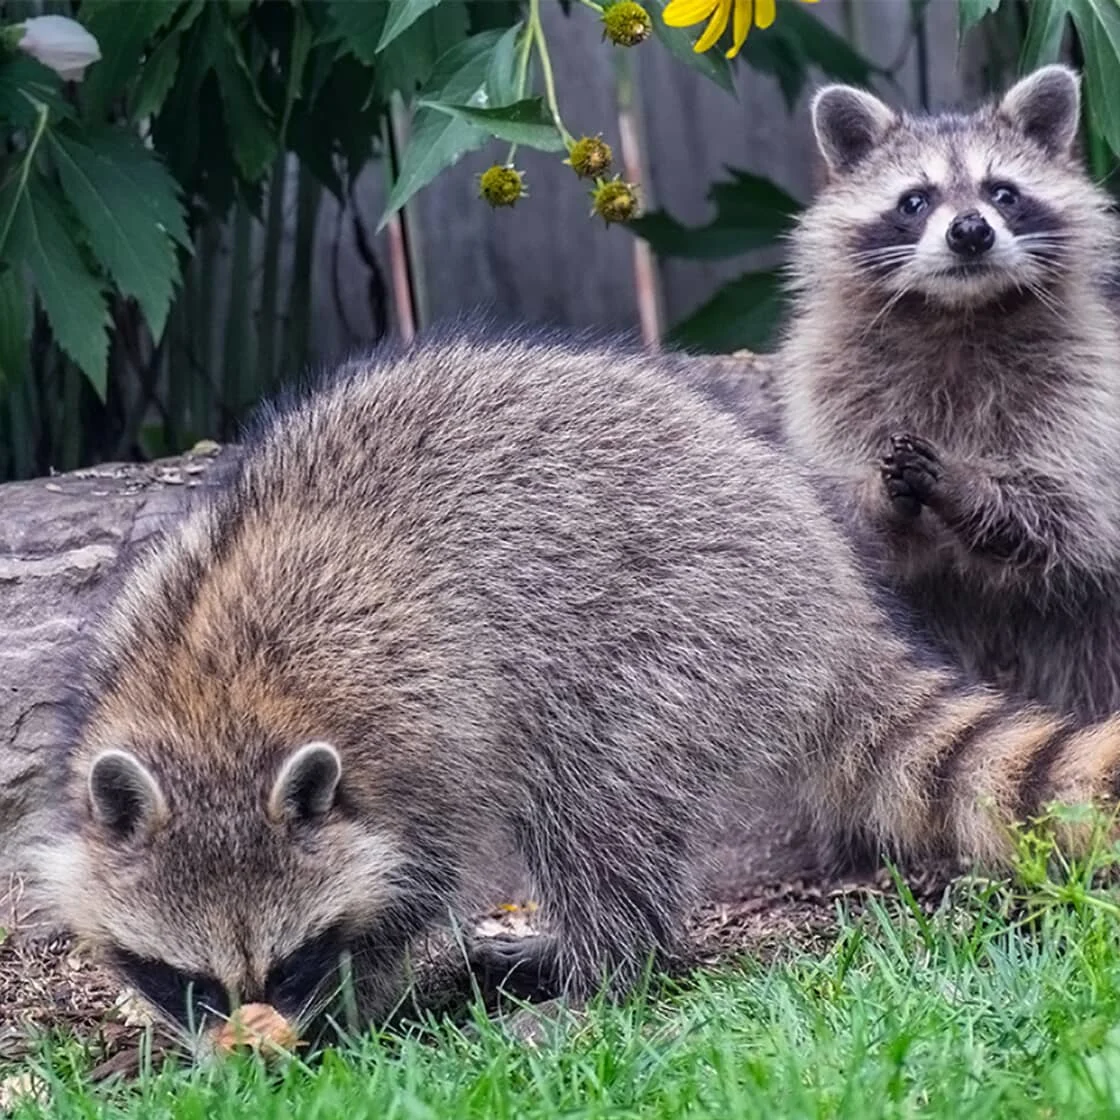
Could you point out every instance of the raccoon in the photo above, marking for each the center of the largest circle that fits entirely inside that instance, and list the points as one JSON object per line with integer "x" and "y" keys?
{"x": 526, "y": 589}
{"x": 952, "y": 366}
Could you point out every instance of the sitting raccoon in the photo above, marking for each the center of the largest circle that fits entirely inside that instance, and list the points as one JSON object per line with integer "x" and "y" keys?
{"x": 953, "y": 364}
{"x": 523, "y": 588}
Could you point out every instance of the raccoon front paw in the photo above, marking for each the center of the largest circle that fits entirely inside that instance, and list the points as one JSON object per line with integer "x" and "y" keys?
{"x": 911, "y": 471}
{"x": 523, "y": 967}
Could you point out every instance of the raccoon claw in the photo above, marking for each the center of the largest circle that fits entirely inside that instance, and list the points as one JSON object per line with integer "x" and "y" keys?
{"x": 910, "y": 471}
{"x": 523, "y": 967}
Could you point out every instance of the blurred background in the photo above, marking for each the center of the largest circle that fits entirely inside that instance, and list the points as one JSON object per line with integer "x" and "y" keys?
{"x": 285, "y": 129}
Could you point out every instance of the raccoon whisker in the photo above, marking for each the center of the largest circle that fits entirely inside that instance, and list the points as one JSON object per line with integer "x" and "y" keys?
{"x": 1045, "y": 298}
{"x": 889, "y": 252}
{"x": 314, "y": 1006}
{"x": 883, "y": 258}
{"x": 1044, "y": 235}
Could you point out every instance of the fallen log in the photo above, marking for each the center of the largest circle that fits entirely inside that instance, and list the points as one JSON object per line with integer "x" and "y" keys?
{"x": 61, "y": 537}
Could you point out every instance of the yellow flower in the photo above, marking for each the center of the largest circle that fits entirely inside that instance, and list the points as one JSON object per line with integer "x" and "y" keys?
{"x": 684, "y": 13}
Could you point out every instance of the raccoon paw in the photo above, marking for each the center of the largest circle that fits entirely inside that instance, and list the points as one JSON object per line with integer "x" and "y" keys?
{"x": 911, "y": 471}
{"x": 523, "y": 967}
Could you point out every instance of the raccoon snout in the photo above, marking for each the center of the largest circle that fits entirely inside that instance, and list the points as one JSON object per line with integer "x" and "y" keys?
{"x": 969, "y": 234}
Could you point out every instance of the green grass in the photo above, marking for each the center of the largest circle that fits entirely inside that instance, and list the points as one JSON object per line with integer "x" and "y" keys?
{"x": 998, "y": 1005}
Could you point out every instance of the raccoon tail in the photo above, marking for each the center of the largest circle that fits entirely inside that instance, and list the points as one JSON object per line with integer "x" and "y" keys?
{"x": 956, "y": 774}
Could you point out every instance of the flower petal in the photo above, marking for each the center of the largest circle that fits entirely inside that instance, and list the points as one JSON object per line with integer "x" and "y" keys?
{"x": 684, "y": 13}
{"x": 744, "y": 10}
{"x": 764, "y": 13}
{"x": 716, "y": 28}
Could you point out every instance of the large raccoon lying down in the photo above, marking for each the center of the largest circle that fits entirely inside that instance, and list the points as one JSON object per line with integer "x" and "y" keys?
{"x": 527, "y": 590}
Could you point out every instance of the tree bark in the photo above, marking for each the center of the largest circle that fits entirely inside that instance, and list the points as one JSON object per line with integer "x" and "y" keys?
{"x": 61, "y": 537}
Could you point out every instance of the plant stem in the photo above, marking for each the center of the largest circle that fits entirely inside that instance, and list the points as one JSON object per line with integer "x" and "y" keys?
{"x": 525, "y": 51}
{"x": 546, "y": 69}
{"x": 592, "y": 5}
{"x": 41, "y": 114}
{"x": 523, "y": 61}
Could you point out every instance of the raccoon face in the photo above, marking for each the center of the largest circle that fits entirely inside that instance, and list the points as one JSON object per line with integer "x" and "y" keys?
{"x": 206, "y": 901}
{"x": 959, "y": 209}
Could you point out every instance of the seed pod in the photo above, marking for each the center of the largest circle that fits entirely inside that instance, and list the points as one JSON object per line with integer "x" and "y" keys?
{"x": 615, "y": 201}
{"x": 590, "y": 157}
{"x": 502, "y": 186}
{"x": 626, "y": 23}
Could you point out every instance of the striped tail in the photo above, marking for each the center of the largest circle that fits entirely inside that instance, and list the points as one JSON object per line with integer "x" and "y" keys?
{"x": 962, "y": 768}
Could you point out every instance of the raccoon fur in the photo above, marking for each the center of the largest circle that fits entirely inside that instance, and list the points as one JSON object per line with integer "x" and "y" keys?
{"x": 525, "y": 588}
{"x": 952, "y": 365}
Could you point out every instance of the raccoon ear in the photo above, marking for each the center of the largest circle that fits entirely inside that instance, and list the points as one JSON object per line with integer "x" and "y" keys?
{"x": 849, "y": 123}
{"x": 1046, "y": 106}
{"x": 306, "y": 785}
{"x": 124, "y": 794}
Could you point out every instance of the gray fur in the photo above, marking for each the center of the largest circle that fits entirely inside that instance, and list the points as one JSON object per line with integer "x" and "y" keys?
{"x": 528, "y": 589}
{"x": 972, "y": 416}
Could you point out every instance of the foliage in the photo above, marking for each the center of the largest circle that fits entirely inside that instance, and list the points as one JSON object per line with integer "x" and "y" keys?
{"x": 186, "y": 145}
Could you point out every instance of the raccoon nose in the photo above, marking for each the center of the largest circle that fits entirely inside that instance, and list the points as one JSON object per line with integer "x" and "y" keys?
{"x": 969, "y": 234}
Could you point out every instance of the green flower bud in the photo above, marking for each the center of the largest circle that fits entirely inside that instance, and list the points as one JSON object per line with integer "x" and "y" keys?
{"x": 627, "y": 23}
{"x": 615, "y": 201}
{"x": 590, "y": 157}
{"x": 502, "y": 186}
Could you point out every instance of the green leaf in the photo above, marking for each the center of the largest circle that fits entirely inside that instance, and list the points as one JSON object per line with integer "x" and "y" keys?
{"x": 303, "y": 40}
{"x": 23, "y": 82}
{"x": 359, "y": 26}
{"x": 440, "y": 140}
{"x": 459, "y": 75}
{"x": 408, "y": 62}
{"x": 336, "y": 118}
{"x": 501, "y": 77}
{"x": 1045, "y": 28}
{"x": 1098, "y": 27}
{"x": 742, "y": 315}
{"x": 971, "y": 12}
{"x": 132, "y": 248}
{"x": 121, "y": 31}
{"x": 156, "y": 79}
{"x": 15, "y": 327}
{"x": 402, "y": 14}
{"x": 751, "y": 212}
{"x": 248, "y": 120}
{"x": 822, "y": 47}
{"x": 525, "y": 122}
{"x": 149, "y": 178}
{"x": 161, "y": 67}
{"x": 797, "y": 42}
{"x": 679, "y": 40}
{"x": 71, "y": 295}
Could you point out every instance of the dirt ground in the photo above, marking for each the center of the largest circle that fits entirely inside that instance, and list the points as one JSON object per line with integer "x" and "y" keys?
{"x": 50, "y": 985}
